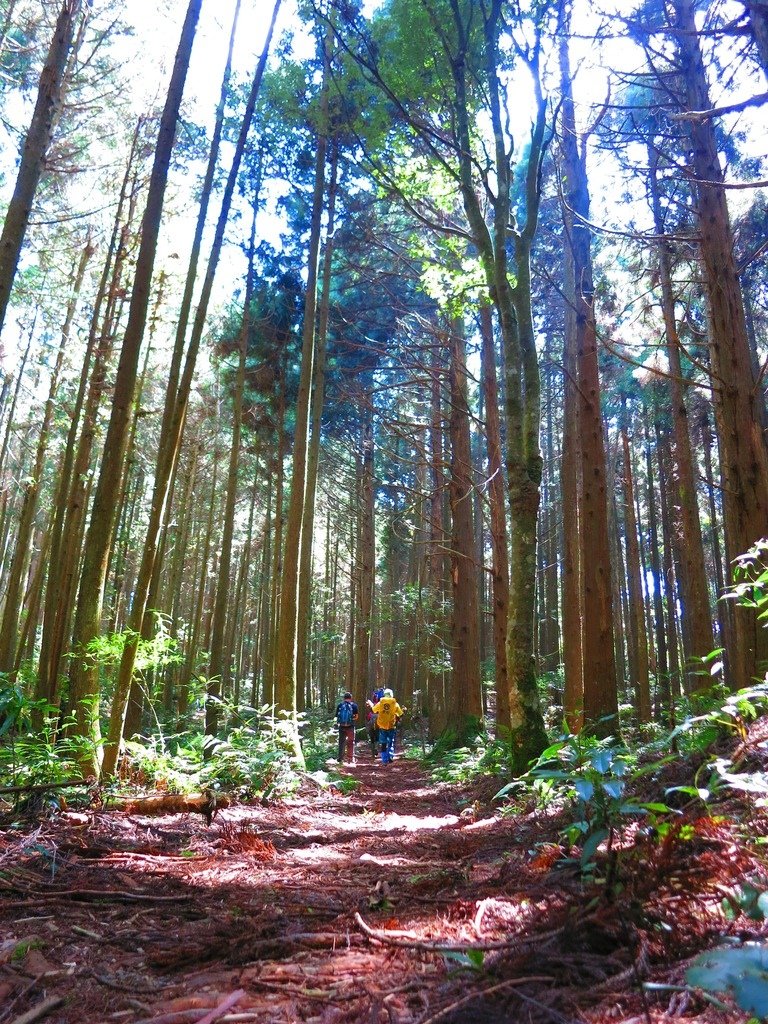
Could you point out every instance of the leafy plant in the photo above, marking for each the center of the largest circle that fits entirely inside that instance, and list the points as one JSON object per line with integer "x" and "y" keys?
{"x": 259, "y": 760}
{"x": 741, "y": 971}
{"x": 50, "y": 753}
{"x": 593, "y": 774}
{"x": 750, "y": 574}
{"x": 730, "y": 713}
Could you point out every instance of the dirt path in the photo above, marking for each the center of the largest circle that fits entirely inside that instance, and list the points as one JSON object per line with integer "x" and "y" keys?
{"x": 324, "y": 908}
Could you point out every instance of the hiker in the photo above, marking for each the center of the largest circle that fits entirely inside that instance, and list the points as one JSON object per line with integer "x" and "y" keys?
{"x": 372, "y": 720}
{"x": 387, "y": 712}
{"x": 346, "y": 716}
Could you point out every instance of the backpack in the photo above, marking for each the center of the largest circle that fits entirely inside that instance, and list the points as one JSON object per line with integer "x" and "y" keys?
{"x": 345, "y": 713}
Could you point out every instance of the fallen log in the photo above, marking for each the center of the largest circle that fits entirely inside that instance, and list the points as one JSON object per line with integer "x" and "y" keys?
{"x": 206, "y": 803}
{"x": 41, "y": 787}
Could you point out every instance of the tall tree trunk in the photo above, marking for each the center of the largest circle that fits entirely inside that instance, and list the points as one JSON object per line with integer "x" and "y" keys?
{"x": 438, "y": 568}
{"x": 522, "y": 386}
{"x": 36, "y": 144}
{"x": 175, "y": 410}
{"x": 664, "y": 705}
{"x": 218, "y": 669}
{"x": 635, "y": 588}
{"x": 287, "y": 637}
{"x": 599, "y": 668}
{"x": 466, "y": 705}
{"x": 744, "y": 457}
{"x": 84, "y": 678}
{"x": 13, "y": 593}
{"x": 571, "y": 503}
{"x": 313, "y": 452}
{"x": 366, "y": 554}
{"x": 694, "y": 592}
{"x": 498, "y": 517}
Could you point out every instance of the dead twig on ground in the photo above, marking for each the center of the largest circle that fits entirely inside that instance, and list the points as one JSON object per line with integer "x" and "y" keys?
{"x": 482, "y": 992}
{"x": 452, "y": 947}
{"x": 41, "y": 1010}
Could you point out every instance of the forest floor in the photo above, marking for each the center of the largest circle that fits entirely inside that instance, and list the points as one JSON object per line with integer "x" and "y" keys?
{"x": 385, "y": 906}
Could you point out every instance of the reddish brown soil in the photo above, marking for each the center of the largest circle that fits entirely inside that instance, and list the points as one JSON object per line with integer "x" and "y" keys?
{"x": 265, "y": 915}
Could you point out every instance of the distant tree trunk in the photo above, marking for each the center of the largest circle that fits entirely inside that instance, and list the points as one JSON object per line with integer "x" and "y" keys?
{"x": 366, "y": 553}
{"x": 287, "y": 636}
{"x": 435, "y": 553}
{"x": 664, "y": 707}
{"x": 466, "y": 706}
{"x": 636, "y": 604}
{"x": 269, "y": 692}
{"x": 13, "y": 592}
{"x": 667, "y": 527}
{"x": 84, "y": 680}
{"x": 197, "y": 614}
{"x": 178, "y": 564}
{"x": 498, "y": 517}
{"x": 599, "y": 667}
{"x": 313, "y": 452}
{"x": 744, "y": 457}
{"x": 694, "y": 592}
{"x": 35, "y": 149}
{"x": 177, "y": 398}
{"x": 724, "y": 608}
{"x": 548, "y": 579}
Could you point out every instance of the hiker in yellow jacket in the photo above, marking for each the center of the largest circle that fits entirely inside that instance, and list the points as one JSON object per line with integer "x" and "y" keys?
{"x": 387, "y": 712}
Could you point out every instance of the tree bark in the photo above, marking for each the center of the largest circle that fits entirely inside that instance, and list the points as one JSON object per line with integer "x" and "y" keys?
{"x": 465, "y": 717}
{"x": 744, "y": 458}
{"x": 175, "y": 410}
{"x": 287, "y": 636}
{"x": 498, "y": 518}
{"x": 13, "y": 592}
{"x": 599, "y": 668}
{"x": 366, "y": 554}
{"x": 84, "y": 679}
{"x": 635, "y": 588}
{"x": 36, "y": 144}
{"x": 694, "y": 591}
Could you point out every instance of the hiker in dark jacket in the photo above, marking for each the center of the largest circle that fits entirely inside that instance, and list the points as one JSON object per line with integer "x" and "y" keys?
{"x": 372, "y": 724}
{"x": 346, "y": 716}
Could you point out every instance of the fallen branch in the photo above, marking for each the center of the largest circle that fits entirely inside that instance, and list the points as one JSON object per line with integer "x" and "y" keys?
{"x": 452, "y": 947}
{"x": 96, "y": 894}
{"x": 41, "y": 787}
{"x": 41, "y": 1010}
{"x": 218, "y": 1011}
{"x": 482, "y": 992}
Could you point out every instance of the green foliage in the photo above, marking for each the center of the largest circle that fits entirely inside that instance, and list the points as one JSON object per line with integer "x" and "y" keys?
{"x": 481, "y": 757}
{"x": 741, "y": 971}
{"x": 749, "y": 898}
{"x": 12, "y": 705}
{"x": 150, "y": 764}
{"x": 159, "y": 650}
{"x": 727, "y": 713}
{"x": 20, "y": 951}
{"x": 260, "y": 761}
{"x": 49, "y": 753}
{"x": 593, "y": 774}
{"x": 750, "y": 574}
{"x": 472, "y": 960}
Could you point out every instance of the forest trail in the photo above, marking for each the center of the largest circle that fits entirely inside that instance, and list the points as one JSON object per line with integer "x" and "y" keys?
{"x": 400, "y": 903}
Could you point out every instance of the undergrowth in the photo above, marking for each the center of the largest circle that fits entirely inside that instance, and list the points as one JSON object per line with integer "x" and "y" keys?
{"x": 256, "y": 759}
